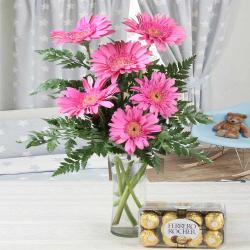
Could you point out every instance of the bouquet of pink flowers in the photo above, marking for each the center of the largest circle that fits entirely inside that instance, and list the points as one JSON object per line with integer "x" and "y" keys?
{"x": 127, "y": 103}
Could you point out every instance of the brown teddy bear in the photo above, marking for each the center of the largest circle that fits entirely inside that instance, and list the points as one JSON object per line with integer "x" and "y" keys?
{"x": 232, "y": 126}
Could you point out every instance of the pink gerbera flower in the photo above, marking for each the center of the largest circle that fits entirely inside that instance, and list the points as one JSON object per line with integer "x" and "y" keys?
{"x": 112, "y": 59}
{"x": 157, "y": 94}
{"x": 158, "y": 29}
{"x": 75, "y": 103}
{"x": 87, "y": 28}
{"x": 133, "y": 127}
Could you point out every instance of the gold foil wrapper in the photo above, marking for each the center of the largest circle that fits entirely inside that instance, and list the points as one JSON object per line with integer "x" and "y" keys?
{"x": 197, "y": 241}
{"x": 169, "y": 242}
{"x": 175, "y": 241}
{"x": 149, "y": 220}
{"x": 213, "y": 239}
{"x": 214, "y": 221}
{"x": 149, "y": 238}
{"x": 196, "y": 217}
{"x": 168, "y": 217}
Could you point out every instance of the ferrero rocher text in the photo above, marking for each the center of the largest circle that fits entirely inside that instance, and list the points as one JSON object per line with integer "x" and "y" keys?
{"x": 181, "y": 228}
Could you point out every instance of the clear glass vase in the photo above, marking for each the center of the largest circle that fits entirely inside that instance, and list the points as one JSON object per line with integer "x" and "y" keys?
{"x": 128, "y": 194}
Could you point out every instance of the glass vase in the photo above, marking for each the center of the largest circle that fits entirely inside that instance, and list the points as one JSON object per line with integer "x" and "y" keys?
{"x": 128, "y": 194}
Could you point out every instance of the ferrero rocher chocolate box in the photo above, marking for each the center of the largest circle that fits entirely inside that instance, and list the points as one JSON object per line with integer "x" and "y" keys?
{"x": 190, "y": 225}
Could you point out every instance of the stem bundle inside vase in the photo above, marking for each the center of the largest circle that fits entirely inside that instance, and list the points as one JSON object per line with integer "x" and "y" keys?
{"x": 127, "y": 180}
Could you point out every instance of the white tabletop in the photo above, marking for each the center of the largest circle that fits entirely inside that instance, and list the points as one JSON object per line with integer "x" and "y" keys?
{"x": 65, "y": 215}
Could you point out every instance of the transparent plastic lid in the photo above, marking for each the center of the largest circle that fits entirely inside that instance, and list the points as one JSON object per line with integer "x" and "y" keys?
{"x": 190, "y": 206}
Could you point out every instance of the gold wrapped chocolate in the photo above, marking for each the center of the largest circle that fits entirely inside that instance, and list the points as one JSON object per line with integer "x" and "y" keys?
{"x": 194, "y": 216}
{"x": 168, "y": 217}
{"x": 197, "y": 241}
{"x": 169, "y": 242}
{"x": 175, "y": 241}
{"x": 149, "y": 220}
{"x": 149, "y": 238}
{"x": 213, "y": 239}
{"x": 214, "y": 221}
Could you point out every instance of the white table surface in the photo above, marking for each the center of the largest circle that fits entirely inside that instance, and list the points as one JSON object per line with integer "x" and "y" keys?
{"x": 66, "y": 215}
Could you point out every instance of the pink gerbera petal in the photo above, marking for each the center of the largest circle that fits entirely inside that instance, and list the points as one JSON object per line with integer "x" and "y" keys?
{"x": 133, "y": 128}
{"x": 87, "y": 28}
{"x": 156, "y": 94}
{"x": 160, "y": 30}
{"x": 112, "y": 59}
{"x": 75, "y": 103}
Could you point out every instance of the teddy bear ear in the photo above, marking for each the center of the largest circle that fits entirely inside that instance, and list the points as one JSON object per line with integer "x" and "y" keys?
{"x": 230, "y": 113}
{"x": 243, "y": 116}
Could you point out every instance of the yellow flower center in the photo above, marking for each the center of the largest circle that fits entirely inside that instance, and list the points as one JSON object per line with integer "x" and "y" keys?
{"x": 78, "y": 35}
{"x": 81, "y": 34}
{"x": 154, "y": 32}
{"x": 120, "y": 62}
{"x": 89, "y": 100}
{"x": 155, "y": 96}
{"x": 133, "y": 129}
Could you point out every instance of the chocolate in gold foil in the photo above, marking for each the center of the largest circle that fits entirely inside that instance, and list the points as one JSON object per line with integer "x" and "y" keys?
{"x": 194, "y": 216}
{"x": 214, "y": 221}
{"x": 149, "y": 220}
{"x": 213, "y": 239}
{"x": 169, "y": 242}
{"x": 149, "y": 238}
{"x": 176, "y": 241}
{"x": 168, "y": 217}
{"x": 197, "y": 241}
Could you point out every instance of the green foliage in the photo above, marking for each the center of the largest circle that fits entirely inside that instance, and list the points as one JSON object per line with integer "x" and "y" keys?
{"x": 187, "y": 115}
{"x": 74, "y": 161}
{"x": 180, "y": 70}
{"x": 36, "y": 139}
{"x": 179, "y": 141}
{"x": 67, "y": 130}
{"x": 69, "y": 145}
{"x": 70, "y": 128}
{"x": 49, "y": 137}
{"x": 150, "y": 158}
{"x": 70, "y": 123}
{"x": 55, "y": 86}
{"x": 65, "y": 57}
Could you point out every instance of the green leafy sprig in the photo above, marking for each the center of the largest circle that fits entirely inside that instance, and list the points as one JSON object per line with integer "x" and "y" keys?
{"x": 65, "y": 58}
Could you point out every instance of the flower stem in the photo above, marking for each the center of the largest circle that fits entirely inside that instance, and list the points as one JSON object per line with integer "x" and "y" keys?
{"x": 120, "y": 190}
{"x": 124, "y": 197}
{"x": 126, "y": 177}
{"x": 87, "y": 46}
{"x": 130, "y": 216}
